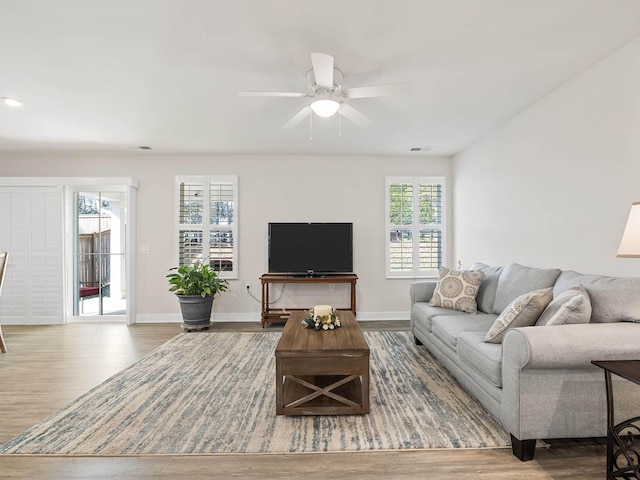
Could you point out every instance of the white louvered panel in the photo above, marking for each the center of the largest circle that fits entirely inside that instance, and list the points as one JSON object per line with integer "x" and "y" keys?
{"x": 5, "y": 219}
{"x": 13, "y": 231}
{"x": 31, "y": 221}
{"x": 19, "y": 221}
{"x": 46, "y": 253}
{"x": 15, "y": 219}
{"x": 46, "y": 288}
{"x": 14, "y": 290}
{"x": 191, "y": 203}
{"x": 13, "y": 300}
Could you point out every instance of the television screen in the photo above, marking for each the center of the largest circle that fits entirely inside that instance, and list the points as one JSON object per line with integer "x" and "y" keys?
{"x": 310, "y": 248}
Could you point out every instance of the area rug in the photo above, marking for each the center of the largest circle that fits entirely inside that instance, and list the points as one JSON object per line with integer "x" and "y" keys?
{"x": 214, "y": 392}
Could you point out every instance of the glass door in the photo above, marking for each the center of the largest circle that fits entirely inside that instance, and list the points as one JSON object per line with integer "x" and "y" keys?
{"x": 99, "y": 270}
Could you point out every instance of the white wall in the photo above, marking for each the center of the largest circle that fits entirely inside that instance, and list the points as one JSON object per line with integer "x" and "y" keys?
{"x": 270, "y": 189}
{"x": 553, "y": 186}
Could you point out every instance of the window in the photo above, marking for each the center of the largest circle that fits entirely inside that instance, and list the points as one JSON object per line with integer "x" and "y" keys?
{"x": 207, "y": 222}
{"x": 415, "y": 226}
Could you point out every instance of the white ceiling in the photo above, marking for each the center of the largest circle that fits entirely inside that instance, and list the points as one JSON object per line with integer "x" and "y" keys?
{"x": 109, "y": 75}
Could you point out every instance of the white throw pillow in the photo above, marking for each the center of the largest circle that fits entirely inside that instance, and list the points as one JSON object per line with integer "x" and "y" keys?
{"x": 522, "y": 312}
{"x": 457, "y": 290}
{"x": 571, "y": 306}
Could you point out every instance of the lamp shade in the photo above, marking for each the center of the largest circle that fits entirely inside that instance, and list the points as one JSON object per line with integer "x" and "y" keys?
{"x": 325, "y": 108}
{"x": 630, "y": 243}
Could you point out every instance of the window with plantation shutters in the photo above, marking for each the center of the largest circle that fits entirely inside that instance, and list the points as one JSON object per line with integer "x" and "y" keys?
{"x": 207, "y": 223}
{"x": 415, "y": 227}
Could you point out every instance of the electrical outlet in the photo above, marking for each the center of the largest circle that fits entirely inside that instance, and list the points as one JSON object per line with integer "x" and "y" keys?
{"x": 247, "y": 286}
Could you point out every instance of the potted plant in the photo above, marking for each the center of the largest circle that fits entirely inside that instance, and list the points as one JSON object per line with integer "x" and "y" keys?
{"x": 195, "y": 286}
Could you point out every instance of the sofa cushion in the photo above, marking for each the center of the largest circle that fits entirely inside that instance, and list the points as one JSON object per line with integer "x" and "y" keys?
{"x": 613, "y": 299}
{"x": 448, "y": 327}
{"x": 516, "y": 280}
{"x": 571, "y": 306}
{"x": 423, "y": 312}
{"x": 487, "y": 291}
{"x": 522, "y": 312}
{"x": 484, "y": 358}
{"x": 457, "y": 289}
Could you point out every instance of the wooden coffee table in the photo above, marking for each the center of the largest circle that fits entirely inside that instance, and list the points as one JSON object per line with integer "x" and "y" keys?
{"x": 322, "y": 372}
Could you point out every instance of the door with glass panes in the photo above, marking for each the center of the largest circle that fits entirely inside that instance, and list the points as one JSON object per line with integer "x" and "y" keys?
{"x": 99, "y": 273}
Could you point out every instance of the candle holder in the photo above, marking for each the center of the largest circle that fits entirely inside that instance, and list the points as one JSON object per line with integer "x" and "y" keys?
{"x": 321, "y": 317}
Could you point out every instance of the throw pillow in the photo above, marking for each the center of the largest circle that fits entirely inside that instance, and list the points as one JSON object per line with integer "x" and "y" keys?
{"x": 571, "y": 306}
{"x": 522, "y": 312}
{"x": 457, "y": 290}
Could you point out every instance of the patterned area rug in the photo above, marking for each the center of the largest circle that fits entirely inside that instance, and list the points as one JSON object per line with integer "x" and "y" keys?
{"x": 204, "y": 393}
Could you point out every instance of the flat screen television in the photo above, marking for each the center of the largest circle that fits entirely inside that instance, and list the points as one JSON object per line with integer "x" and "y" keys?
{"x": 310, "y": 249}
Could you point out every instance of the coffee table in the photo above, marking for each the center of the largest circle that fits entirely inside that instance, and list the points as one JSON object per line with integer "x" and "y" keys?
{"x": 322, "y": 372}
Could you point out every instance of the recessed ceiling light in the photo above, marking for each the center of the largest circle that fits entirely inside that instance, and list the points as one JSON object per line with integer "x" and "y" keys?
{"x": 12, "y": 102}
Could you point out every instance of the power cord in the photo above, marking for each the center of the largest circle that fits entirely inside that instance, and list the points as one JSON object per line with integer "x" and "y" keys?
{"x": 260, "y": 300}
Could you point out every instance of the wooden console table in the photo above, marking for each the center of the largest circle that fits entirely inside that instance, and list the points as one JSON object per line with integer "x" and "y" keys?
{"x": 623, "y": 439}
{"x": 273, "y": 315}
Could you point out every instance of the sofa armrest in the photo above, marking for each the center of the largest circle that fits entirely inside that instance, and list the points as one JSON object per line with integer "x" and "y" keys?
{"x": 570, "y": 346}
{"x": 422, "y": 291}
{"x": 550, "y": 389}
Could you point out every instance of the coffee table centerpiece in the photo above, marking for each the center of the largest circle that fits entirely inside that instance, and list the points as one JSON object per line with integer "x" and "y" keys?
{"x": 321, "y": 317}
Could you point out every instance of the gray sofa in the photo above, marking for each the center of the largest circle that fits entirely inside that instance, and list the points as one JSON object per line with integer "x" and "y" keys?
{"x": 539, "y": 383}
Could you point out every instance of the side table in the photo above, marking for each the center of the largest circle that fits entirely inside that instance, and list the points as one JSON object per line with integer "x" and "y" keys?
{"x": 623, "y": 439}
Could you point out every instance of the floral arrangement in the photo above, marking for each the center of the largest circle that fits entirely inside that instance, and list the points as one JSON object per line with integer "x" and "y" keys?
{"x": 321, "y": 317}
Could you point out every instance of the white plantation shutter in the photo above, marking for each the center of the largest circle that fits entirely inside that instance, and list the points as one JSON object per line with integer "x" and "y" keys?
{"x": 415, "y": 227}
{"x": 191, "y": 207}
{"x": 31, "y": 231}
{"x": 222, "y": 241}
{"x": 207, "y": 222}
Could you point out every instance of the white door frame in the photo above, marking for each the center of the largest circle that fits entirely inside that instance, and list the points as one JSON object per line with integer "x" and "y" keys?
{"x": 124, "y": 185}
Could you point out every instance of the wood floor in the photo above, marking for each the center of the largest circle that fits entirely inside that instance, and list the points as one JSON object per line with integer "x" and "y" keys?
{"x": 48, "y": 366}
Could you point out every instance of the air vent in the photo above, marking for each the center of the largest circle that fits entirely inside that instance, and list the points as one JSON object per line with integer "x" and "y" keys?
{"x": 144, "y": 147}
{"x": 428, "y": 148}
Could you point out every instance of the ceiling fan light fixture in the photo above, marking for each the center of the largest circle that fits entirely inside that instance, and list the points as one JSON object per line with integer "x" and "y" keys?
{"x": 325, "y": 108}
{"x": 12, "y": 102}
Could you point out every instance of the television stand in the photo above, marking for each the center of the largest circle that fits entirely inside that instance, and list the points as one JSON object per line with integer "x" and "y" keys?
{"x": 282, "y": 314}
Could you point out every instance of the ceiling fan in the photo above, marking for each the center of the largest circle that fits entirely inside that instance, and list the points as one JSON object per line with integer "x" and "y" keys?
{"x": 327, "y": 95}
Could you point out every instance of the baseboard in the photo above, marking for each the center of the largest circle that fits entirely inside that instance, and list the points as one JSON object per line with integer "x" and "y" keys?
{"x": 383, "y": 316}
{"x": 31, "y": 321}
{"x": 177, "y": 318}
{"x": 255, "y": 317}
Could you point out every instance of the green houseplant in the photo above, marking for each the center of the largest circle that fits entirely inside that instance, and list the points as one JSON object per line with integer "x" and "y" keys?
{"x": 195, "y": 286}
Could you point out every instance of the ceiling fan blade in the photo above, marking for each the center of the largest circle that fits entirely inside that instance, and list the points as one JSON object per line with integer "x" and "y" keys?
{"x": 322, "y": 69}
{"x": 350, "y": 113}
{"x": 271, "y": 94}
{"x": 298, "y": 117}
{"x": 378, "y": 90}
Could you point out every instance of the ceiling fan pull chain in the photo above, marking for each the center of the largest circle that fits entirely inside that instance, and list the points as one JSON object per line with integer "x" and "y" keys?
{"x": 339, "y": 121}
{"x": 310, "y": 126}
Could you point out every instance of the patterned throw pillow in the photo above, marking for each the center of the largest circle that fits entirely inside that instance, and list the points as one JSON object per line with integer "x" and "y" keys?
{"x": 571, "y": 306}
{"x": 522, "y": 312}
{"x": 457, "y": 290}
